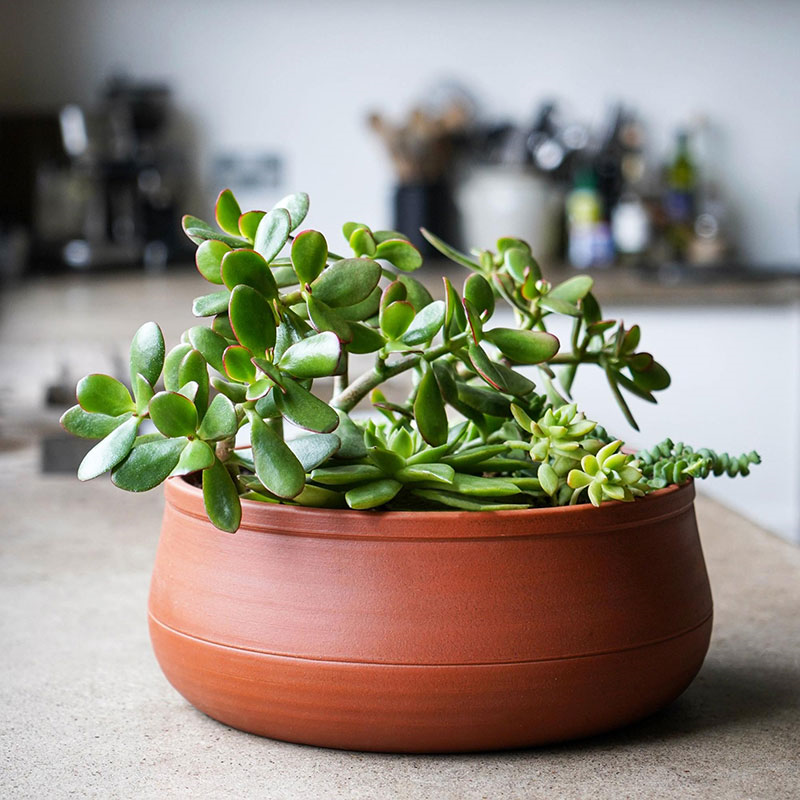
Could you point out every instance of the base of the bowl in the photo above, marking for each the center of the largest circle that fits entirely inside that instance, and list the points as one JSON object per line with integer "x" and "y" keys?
{"x": 428, "y": 708}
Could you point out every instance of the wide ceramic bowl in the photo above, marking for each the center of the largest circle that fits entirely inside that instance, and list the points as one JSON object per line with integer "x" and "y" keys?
{"x": 431, "y": 631}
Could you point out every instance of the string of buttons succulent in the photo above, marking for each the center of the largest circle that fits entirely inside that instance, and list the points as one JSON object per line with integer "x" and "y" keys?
{"x": 475, "y": 432}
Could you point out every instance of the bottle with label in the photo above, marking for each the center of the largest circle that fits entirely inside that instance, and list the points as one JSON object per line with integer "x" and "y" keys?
{"x": 680, "y": 198}
{"x": 589, "y": 237}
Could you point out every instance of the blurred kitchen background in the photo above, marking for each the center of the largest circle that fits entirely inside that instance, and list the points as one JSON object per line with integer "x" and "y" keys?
{"x": 655, "y": 144}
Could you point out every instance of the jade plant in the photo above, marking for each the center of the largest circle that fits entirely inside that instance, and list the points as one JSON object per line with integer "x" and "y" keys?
{"x": 259, "y": 400}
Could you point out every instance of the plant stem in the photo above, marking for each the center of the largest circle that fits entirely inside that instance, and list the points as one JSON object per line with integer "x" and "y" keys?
{"x": 340, "y": 382}
{"x": 292, "y": 299}
{"x": 224, "y": 448}
{"x": 347, "y": 399}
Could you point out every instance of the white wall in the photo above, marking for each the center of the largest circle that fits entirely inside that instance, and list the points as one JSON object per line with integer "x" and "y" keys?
{"x": 298, "y": 77}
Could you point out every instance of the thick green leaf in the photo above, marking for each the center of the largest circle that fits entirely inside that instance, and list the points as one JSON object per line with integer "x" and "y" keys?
{"x": 477, "y": 486}
{"x": 473, "y": 320}
{"x": 227, "y": 212}
{"x": 382, "y": 236}
{"x": 297, "y": 206}
{"x": 270, "y": 370}
{"x": 195, "y": 456}
{"x": 394, "y": 292}
{"x": 450, "y": 252}
{"x": 486, "y": 401}
{"x": 429, "y": 412}
{"x": 277, "y": 467}
{"x": 517, "y": 261}
{"x": 324, "y": 318}
{"x": 374, "y": 494}
{"x": 349, "y": 227}
{"x": 210, "y": 344}
{"x": 309, "y": 255}
{"x": 173, "y": 414}
{"x": 291, "y": 330}
{"x": 400, "y": 442}
{"x": 249, "y": 268}
{"x": 172, "y": 364}
{"x": 315, "y": 357}
{"x": 238, "y": 365}
{"x": 347, "y": 282}
{"x": 548, "y": 479}
{"x": 147, "y": 353}
{"x": 459, "y": 501}
{"x": 559, "y": 306}
{"x": 591, "y": 309}
{"x": 346, "y": 475}
{"x": 221, "y": 497}
{"x": 474, "y": 456}
{"x": 426, "y": 324}
{"x": 351, "y": 437}
{"x": 148, "y": 464}
{"x": 417, "y": 294}
{"x": 219, "y": 421}
{"x": 653, "y": 379}
{"x": 362, "y": 242}
{"x": 623, "y": 406}
{"x": 222, "y": 326}
{"x": 302, "y": 408}
{"x": 193, "y": 369}
{"x": 445, "y": 377}
{"x": 485, "y": 367}
{"x": 284, "y": 276}
{"x": 573, "y": 289}
{"x": 233, "y": 391}
{"x": 440, "y": 473}
{"x": 364, "y": 339}
{"x": 631, "y": 340}
{"x": 455, "y": 318}
{"x": 259, "y": 389}
{"x": 142, "y": 392}
{"x": 90, "y": 426}
{"x": 395, "y": 318}
{"x": 386, "y": 460}
{"x": 366, "y": 309}
{"x": 512, "y": 382}
{"x": 272, "y": 233}
{"x": 524, "y": 347}
{"x": 248, "y": 224}
{"x": 210, "y": 304}
{"x": 480, "y": 294}
{"x": 401, "y": 253}
{"x": 506, "y": 242}
{"x": 103, "y": 394}
{"x": 316, "y": 449}
{"x": 199, "y": 231}
{"x": 251, "y": 319}
{"x": 265, "y": 406}
{"x": 318, "y": 497}
{"x": 108, "y": 452}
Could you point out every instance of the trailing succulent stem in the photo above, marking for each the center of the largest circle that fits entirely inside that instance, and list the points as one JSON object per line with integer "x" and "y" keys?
{"x": 285, "y": 311}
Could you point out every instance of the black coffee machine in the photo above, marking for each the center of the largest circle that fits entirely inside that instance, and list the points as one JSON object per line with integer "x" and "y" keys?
{"x": 98, "y": 189}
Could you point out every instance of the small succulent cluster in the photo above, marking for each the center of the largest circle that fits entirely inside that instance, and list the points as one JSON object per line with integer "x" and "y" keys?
{"x": 285, "y": 311}
{"x": 669, "y": 463}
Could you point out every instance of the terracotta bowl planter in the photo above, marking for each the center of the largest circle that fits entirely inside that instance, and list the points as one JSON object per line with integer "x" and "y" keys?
{"x": 431, "y": 632}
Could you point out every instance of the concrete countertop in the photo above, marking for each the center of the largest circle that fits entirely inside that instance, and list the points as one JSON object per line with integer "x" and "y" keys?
{"x": 87, "y": 712}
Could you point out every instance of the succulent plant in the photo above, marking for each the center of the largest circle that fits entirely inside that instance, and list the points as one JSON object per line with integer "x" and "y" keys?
{"x": 285, "y": 312}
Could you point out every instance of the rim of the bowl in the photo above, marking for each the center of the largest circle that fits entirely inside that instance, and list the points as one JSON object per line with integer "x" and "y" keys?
{"x": 429, "y": 524}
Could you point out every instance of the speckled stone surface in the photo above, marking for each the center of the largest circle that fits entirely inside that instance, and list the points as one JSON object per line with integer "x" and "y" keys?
{"x": 86, "y": 712}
